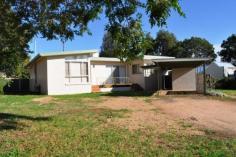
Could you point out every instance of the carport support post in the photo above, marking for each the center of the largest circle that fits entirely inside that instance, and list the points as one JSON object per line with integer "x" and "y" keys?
{"x": 204, "y": 78}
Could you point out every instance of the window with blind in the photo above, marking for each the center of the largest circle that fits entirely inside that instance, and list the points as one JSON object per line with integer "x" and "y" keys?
{"x": 136, "y": 69}
{"x": 77, "y": 70}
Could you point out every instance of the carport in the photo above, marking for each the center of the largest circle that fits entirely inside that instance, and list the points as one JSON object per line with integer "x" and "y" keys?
{"x": 178, "y": 74}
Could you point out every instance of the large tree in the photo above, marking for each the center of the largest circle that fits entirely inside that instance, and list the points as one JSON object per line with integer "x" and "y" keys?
{"x": 164, "y": 43}
{"x": 196, "y": 47}
{"x": 14, "y": 38}
{"x": 150, "y": 41}
{"x": 63, "y": 19}
{"x": 130, "y": 41}
{"x": 108, "y": 46}
{"x": 228, "y": 52}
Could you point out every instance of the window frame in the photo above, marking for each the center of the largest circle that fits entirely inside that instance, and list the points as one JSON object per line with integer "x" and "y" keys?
{"x": 81, "y": 76}
{"x": 138, "y": 69}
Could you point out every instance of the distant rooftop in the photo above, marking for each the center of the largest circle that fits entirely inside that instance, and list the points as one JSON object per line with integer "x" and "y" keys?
{"x": 224, "y": 64}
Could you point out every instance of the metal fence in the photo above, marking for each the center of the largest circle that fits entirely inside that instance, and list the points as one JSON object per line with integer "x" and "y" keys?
{"x": 17, "y": 86}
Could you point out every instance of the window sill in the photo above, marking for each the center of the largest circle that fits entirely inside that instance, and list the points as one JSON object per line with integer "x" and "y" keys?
{"x": 77, "y": 84}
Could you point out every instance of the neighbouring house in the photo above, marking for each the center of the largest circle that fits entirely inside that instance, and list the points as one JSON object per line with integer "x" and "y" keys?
{"x": 215, "y": 71}
{"x": 220, "y": 70}
{"x": 84, "y": 72}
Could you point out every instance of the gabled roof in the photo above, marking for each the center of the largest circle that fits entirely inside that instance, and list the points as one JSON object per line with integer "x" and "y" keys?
{"x": 65, "y": 53}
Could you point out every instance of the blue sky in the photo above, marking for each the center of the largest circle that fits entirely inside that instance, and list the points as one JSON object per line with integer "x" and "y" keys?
{"x": 213, "y": 20}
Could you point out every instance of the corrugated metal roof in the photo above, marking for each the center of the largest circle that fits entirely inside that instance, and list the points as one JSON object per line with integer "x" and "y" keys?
{"x": 151, "y": 57}
{"x": 180, "y": 62}
{"x": 112, "y": 59}
{"x": 65, "y": 53}
{"x": 182, "y": 59}
{"x": 105, "y": 59}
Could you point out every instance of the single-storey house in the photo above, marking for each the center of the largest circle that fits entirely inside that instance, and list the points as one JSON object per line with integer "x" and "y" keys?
{"x": 215, "y": 71}
{"x": 221, "y": 70}
{"x": 84, "y": 72}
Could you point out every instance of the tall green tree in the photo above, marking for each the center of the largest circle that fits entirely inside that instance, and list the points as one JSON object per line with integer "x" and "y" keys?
{"x": 164, "y": 43}
{"x": 150, "y": 41}
{"x": 228, "y": 52}
{"x": 20, "y": 21}
{"x": 196, "y": 47}
{"x": 130, "y": 41}
{"x": 14, "y": 38}
{"x": 108, "y": 46}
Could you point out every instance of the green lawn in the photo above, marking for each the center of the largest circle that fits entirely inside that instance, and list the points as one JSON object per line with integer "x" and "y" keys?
{"x": 70, "y": 127}
{"x": 227, "y": 92}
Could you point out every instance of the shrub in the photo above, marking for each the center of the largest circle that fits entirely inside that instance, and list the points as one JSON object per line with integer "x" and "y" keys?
{"x": 3, "y": 82}
{"x": 226, "y": 84}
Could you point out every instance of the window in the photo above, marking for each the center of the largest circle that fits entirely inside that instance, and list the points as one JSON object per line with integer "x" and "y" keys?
{"x": 136, "y": 69}
{"x": 77, "y": 70}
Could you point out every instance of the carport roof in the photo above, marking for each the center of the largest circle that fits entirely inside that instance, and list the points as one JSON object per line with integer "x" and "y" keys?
{"x": 178, "y": 62}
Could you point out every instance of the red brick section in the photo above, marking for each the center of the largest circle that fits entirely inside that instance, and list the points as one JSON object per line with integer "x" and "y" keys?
{"x": 95, "y": 88}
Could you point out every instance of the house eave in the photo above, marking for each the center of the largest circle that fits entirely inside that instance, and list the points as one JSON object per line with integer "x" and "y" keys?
{"x": 55, "y": 54}
{"x": 178, "y": 62}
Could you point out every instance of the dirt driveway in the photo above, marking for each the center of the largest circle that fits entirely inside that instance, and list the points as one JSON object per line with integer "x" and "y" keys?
{"x": 168, "y": 112}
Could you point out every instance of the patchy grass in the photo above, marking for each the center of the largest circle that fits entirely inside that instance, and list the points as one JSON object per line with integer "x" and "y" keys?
{"x": 74, "y": 128}
{"x": 185, "y": 124}
{"x": 227, "y": 92}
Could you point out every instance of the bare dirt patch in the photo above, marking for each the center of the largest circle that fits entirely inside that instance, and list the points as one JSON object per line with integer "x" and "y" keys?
{"x": 44, "y": 100}
{"x": 192, "y": 114}
{"x": 210, "y": 113}
{"x": 144, "y": 114}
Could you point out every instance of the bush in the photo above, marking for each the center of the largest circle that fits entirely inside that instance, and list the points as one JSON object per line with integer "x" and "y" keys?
{"x": 3, "y": 82}
{"x": 226, "y": 84}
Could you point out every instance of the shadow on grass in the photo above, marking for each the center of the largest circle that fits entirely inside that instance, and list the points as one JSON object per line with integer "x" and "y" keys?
{"x": 129, "y": 94}
{"x": 10, "y": 121}
{"x": 20, "y": 93}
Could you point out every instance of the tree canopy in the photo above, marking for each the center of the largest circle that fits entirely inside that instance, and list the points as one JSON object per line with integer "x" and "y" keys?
{"x": 20, "y": 21}
{"x": 228, "y": 52}
{"x": 128, "y": 43}
{"x": 14, "y": 38}
{"x": 164, "y": 43}
{"x": 197, "y": 47}
{"x": 108, "y": 46}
